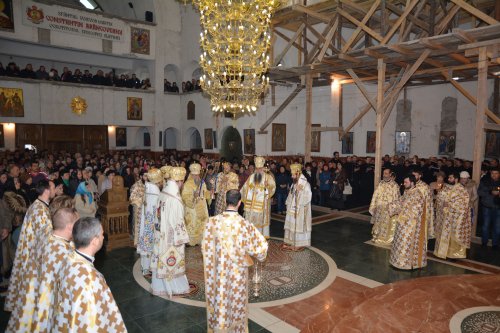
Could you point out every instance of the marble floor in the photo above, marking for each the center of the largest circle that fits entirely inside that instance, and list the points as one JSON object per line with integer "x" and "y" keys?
{"x": 361, "y": 293}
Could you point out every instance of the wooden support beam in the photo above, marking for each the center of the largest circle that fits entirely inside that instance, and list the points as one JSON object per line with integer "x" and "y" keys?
{"x": 283, "y": 105}
{"x": 471, "y": 98}
{"x": 396, "y": 25}
{"x": 432, "y": 18}
{"x": 285, "y": 37}
{"x": 479, "y": 44}
{"x": 309, "y": 102}
{"x": 358, "y": 23}
{"x": 492, "y": 127}
{"x": 395, "y": 93}
{"x": 326, "y": 129}
{"x": 420, "y": 7}
{"x": 374, "y": 54}
{"x": 362, "y": 88}
{"x": 476, "y": 12}
{"x": 368, "y": 15}
{"x": 441, "y": 27}
{"x": 312, "y": 13}
{"x": 328, "y": 39}
{"x": 346, "y": 57}
{"x": 291, "y": 41}
{"x": 463, "y": 36}
{"x": 379, "y": 122}
{"x": 482, "y": 104}
{"x": 415, "y": 20}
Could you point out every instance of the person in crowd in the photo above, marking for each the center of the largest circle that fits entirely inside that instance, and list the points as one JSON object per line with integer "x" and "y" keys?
{"x": 85, "y": 203}
{"x": 167, "y": 264}
{"x": 471, "y": 188}
{"x": 225, "y": 181}
{"x": 453, "y": 227}
{"x": 256, "y": 196}
{"x": 149, "y": 218}
{"x": 137, "y": 195}
{"x": 283, "y": 182}
{"x": 41, "y": 73}
{"x": 298, "y": 220}
{"x": 337, "y": 181}
{"x": 107, "y": 182}
{"x": 324, "y": 184}
{"x": 409, "y": 247}
{"x": 384, "y": 225}
{"x": 83, "y": 287}
{"x": 196, "y": 199}
{"x": 489, "y": 192}
{"x": 228, "y": 242}
{"x": 36, "y": 227}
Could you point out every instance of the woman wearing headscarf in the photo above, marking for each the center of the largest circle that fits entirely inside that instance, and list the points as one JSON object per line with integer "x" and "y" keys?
{"x": 84, "y": 200}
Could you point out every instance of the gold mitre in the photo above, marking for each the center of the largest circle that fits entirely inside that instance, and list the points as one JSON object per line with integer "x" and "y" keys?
{"x": 233, "y": 181}
{"x": 195, "y": 169}
{"x": 259, "y": 161}
{"x": 165, "y": 170}
{"x": 177, "y": 173}
{"x": 226, "y": 163}
{"x": 155, "y": 175}
{"x": 296, "y": 168}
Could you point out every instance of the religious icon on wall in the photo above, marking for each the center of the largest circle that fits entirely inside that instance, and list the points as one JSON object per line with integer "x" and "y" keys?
{"x": 6, "y": 15}
{"x": 134, "y": 108}
{"x": 316, "y": 139}
{"x": 249, "y": 139}
{"x": 11, "y": 102}
{"x": 209, "y": 139}
{"x": 492, "y": 145}
{"x": 147, "y": 139}
{"x": 190, "y": 110}
{"x": 121, "y": 137}
{"x": 348, "y": 143}
{"x": 403, "y": 140}
{"x": 447, "y": 141}
{"x": 2, "y": 138}
{"x": 279, "y": 137}
{"x": 140, "y": 40}
{"x": 371, "y": 140}
{"x": 215, "y": 138}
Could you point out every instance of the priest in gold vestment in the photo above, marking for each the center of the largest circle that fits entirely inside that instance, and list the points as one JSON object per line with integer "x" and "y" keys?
{"x": 36, "y": 228}
{"x": 409, "y": 247}
{"x": 228, "y": 242}
{"x": 137, "y": 195}
{"x": 225, "y": 181}
{"x": 256, "y": 196}
{"x": 195, "y": 196}
{"x": 383, "y": 224}
{"x": 453, "y": 225}
{"x": 84, "y": 302}
{"x": 428, "y": 203}
{"x": 168, "y": 261}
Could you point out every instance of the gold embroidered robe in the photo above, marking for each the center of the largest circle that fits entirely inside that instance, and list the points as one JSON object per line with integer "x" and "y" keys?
{"x": 453, "y": 223}
{"x": 84, "y": 302}
{"x": 257, "y": 201}
{"x": 195, "y": 198}
{"x": 383, "y": 224}
{"x": 137, "y": 194}
{"x": 409, "y": 248}
{"x": 168, "y": 261}
{"x": 24, "y": 281}
{"x": 53, "y": 253}
{"x": 228, "y": 241}
{"x": 223, "y": 183}
{"x": 428, "y": 208}
{"x": 298, "y": 220}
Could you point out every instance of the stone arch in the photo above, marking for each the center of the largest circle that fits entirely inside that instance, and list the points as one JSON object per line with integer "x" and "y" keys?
{"x": 231, "y": 144}
{"x": 193, "y": 138}
{"x": 197, "y": 73}
{"x": 170, "y": 138}
{"x": 171, "y": 73}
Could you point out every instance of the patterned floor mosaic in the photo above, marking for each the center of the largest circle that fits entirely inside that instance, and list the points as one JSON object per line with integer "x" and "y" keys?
{"x": 481, "y": 322}
{"x": 284, "y": 274}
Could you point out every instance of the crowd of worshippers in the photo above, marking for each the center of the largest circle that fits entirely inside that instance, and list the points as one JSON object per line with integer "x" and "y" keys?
{"x": 99, "y": 78}
{"x": 49, "y": 199}
{"x": 186, "y": 86}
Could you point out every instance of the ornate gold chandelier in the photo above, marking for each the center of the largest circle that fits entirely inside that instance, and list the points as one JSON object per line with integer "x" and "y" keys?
{"x": 235, "y": 41}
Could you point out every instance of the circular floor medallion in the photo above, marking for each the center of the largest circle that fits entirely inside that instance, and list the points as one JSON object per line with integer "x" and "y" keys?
{"x": 286, "y": 276}
{"x": 485, "y": 319}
